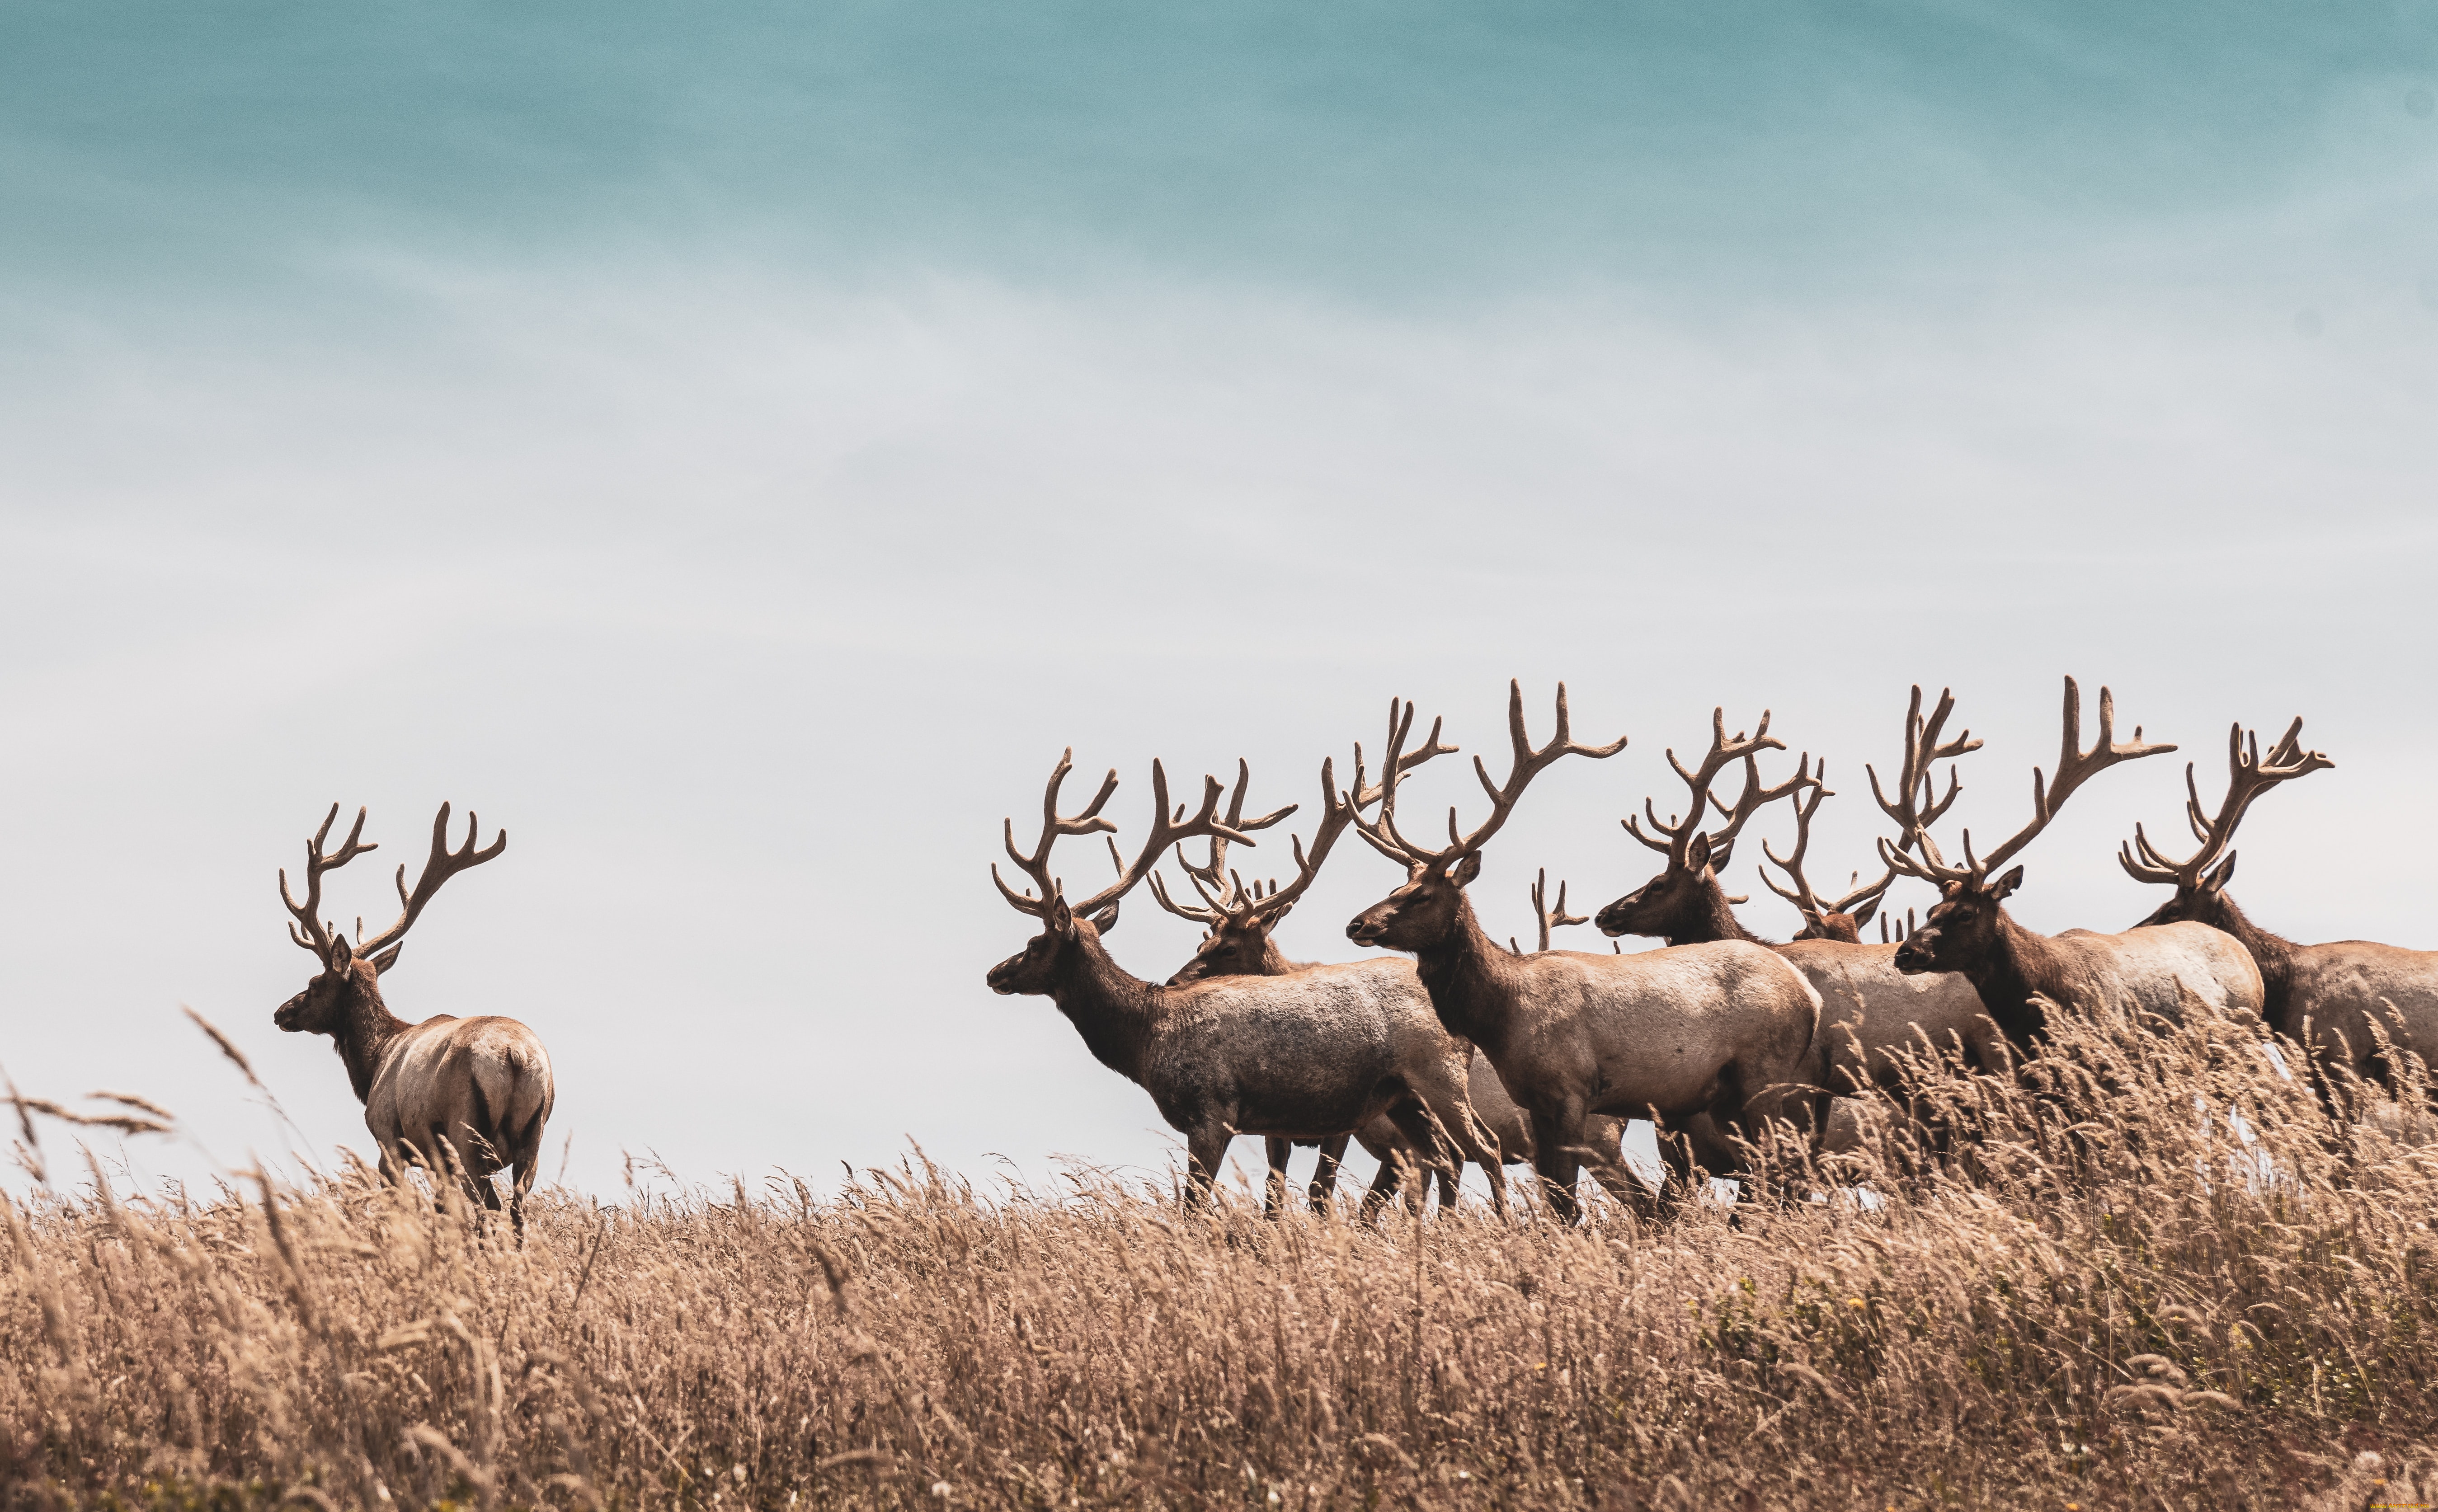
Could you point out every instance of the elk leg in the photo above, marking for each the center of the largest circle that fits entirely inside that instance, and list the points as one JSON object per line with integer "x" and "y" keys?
{"x": 1430, "y": 1140}
{"x": 1274, "y": 1191}
{"x": 1390, "y": 1181}
{"x": 1555, "y": 1139}
{"x": 1324, "y": 1174}
{"x": 1204, "y": 1151}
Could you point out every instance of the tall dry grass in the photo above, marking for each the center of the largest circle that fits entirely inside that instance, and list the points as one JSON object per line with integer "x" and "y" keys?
{"x": 2152, "y": 1271}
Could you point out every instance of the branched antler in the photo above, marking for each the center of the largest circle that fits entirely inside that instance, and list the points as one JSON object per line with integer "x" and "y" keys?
{"x": 437, "y": 868}
{"x": 1674, "y": 838}
{"x": 1167, "y": 829}
{"x": 2075, "y": 768}
{"x": 2247, "y": 777}
{"x": 1527, "y": 762}
{"x": 315, "y": 935}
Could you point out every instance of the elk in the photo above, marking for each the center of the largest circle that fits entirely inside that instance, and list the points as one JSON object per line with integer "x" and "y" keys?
{"x": 2327, "y": 996}
{"x": 2147, "y": 969}
{"x": 1315, "y": 1052}
{"x": 1868, "y": 1007}
{"x": 1245, "y": 916}
{"x": 464, "y": 1096}
{"x": 1721, "y": 1029}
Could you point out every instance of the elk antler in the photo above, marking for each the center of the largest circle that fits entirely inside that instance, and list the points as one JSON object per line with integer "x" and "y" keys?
{"x": 1231, "y": 899}
{"x": 442, "y": 864}
{"x": 1214, "y": 871}
{"x": 1526, "y": 763}
{"x": 316, "y": 934}
{"x": 1551, "y": 918}
{"x": 2247, "y": 777}
{"x": 1166, "y": 830}
{"x": 1675, "y": 840}
{"x": 1864, "y": 898}
{"x": 2076, "y": 766}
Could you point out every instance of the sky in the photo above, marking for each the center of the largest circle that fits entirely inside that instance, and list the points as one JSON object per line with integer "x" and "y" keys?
{"x": 736, "y": 450}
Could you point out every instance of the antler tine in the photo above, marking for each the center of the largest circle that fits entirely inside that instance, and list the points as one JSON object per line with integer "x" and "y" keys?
{"x": 2247, "y": 777}
{"x": 315, "y": 936}
{"x": 1166, "y": 830}
{"x": 1037, "y": 865}
{"x": 438, "y": 868}
{"x": 1208, "y": 917}
{"x": 1527, "y": 764}
{"x": 2076, "y": 766}
{"x": 1549, "y": 917}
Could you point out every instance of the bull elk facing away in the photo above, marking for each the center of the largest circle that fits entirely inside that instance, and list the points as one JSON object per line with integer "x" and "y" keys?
{"x": 2325, "y": 997}
{"x": 1317, "y": 1052}
{"x": 468, "y": 1097}
{"x": 1721, "y": 1028}
{"x": 2151, "y": 969}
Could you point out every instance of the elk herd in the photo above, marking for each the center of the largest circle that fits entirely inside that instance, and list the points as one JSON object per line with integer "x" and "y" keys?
{"x": 1455, "y": 1050}
{"x": 1458, "y": 1049}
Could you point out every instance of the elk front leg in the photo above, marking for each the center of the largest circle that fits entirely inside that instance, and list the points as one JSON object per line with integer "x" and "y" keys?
{"x": 1324, "y": 1174}
{"x": 1556, "y": 1138}
{"x": 1206, "y": 1150}
{"x": 1274, "y": 1191}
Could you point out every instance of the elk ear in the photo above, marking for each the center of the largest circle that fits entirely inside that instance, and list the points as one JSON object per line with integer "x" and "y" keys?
{"x": 2004, "y": 887}
{"x": 387, "y": 957}
{"x": 1697, "y": 856}
{"x": 1466, "y": 869}
{"x": 1862, "y": 912}
{"x": 1106, "y": 919}
{"x": 2222, "y": 876}
{"x": 1062, "y": 919}
{"x": 341, "y": 956}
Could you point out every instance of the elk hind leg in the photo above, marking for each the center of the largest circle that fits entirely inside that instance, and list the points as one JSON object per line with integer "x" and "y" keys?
{"x": 1439, "y": 1150}
{"x": 1324, "y": 1172}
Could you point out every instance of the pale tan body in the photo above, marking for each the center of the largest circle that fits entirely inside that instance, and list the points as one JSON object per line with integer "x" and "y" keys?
{"x": 1725, "y": 1026}
{"x": 483, "y": 1085}
{"x": 2147, "y": 969}
{"x": 2339, "y": 988}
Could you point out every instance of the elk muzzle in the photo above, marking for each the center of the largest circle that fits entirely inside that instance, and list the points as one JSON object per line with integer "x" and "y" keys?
{"x": 1913, "y": 956}
{"x": 287, "y": 1016}
{"x": 1617, "y": 918}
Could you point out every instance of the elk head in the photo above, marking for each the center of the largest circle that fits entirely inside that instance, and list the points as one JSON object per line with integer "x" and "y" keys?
{"x": 1961, "y": 932}
{"x": 2200, "y": 879}
{"x": 1241, "y": 918}
{"x": 349, "y": 977}
{"x": 1683, "y": 902}
{"x": 1043, "y": 962}
{"x": 1428, "y": 909}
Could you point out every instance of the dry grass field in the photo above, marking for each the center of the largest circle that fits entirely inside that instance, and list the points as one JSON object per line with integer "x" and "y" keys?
{"x": 2153, "y": 1274}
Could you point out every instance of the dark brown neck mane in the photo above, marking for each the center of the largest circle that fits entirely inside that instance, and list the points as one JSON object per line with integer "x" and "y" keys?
{"x": 1113, "y": 1010}
{"x": 369, "y": 1030}
{"x": 1471, "y": 980}
{"x": 1706, "y": 917}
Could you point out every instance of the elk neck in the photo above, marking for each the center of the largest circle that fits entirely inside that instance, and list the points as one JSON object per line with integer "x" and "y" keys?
{"x": 1471, "y": 979}
{"x": 1707, "y": 917}
{"x": 370, "y": 1029}
{"x": 1116, "y": 1012}
{"x": 2019, "y": 963}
